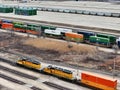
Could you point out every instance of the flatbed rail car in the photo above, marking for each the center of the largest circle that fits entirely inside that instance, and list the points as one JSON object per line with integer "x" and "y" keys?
{"x": 87, "y": 78}
{"x": 29, "y": 63}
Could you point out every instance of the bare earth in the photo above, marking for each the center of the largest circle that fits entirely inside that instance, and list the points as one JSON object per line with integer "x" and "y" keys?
{"x": 66, "y": 52}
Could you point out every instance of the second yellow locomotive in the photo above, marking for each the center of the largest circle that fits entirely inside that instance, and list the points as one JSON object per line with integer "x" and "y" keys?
{"x": 60, "y": 72}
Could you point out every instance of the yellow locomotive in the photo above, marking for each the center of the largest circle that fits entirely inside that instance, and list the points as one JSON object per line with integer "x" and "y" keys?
{"x": 60, "y": 72}
{"x": 29, "y": 63}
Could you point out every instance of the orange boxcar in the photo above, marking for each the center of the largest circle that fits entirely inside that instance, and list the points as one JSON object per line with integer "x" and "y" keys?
{"x": 7, "y": 26}
{"x": 32, "y": 32}
{"x": 19, "y": 29}
{"x": 98, "y": 81}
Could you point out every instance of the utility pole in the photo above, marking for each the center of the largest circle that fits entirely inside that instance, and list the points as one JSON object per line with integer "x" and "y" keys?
{"x": 115, "y": 48}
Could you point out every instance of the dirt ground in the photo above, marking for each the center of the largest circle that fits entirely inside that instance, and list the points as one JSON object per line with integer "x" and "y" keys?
{"x": 67, "y": 52}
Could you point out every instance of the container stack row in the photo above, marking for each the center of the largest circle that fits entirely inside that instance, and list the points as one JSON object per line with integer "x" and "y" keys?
{"x": 6, "y": 9}
{"x": 25, "y": 11}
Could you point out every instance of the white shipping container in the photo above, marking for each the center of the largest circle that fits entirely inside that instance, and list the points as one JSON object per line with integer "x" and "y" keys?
{"x": 53, "y": 32}
{"x": 64, "y": 30}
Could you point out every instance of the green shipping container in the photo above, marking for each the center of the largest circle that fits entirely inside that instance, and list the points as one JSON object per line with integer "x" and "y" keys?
{"x": 47, "y": 27}
{"x": 27, "y": 11}
{"x": 111, "y": 37}
{"x": 18, "y": 23}
{"x": 99, "y": 40}
{"x": 5, "y": 9}
{"x": 20, "y": 26}
{"x": 33, "y": 27}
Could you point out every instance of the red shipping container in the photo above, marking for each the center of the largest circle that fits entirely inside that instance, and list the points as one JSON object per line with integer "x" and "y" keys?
{"x": 7, "y": 26}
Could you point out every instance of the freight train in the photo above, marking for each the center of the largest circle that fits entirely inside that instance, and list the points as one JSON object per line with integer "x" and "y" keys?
{"x": 81, "y": 36}
{"x": 86, "y": 78}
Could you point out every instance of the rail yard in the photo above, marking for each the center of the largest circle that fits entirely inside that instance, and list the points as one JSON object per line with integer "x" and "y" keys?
{"x": 57, "y": 48}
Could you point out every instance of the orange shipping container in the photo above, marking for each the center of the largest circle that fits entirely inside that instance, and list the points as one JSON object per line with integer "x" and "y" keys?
{"x": 73, "y": 35}
{"x": 7, "y": 26}
{"x": 99, "y": 81}
{"x": 19, "y": 29}
{"x": 32, "y": 32}
{"x": 0, "y": 22}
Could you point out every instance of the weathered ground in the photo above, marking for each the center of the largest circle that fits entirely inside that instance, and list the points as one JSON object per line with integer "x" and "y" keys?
{"x": 67, "y": 52}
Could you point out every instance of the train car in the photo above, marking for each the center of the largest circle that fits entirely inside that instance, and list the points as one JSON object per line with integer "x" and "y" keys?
{"x": 43, "y": 27}
{"x": 98, "y": 81}
{"x": 7, "y": 26}
{"x": 16, "y": 22}
{"x": 52, "y": 33}
{"x": 20, "y": 27}
{"x": 59, "y": 72}
{"x": 33, "y": 29}
{"x": 74, "y": 37}
{"x": 6, "y": 21}
{"x": 29, "y": 63}
{"x": 105, "y": 42}
{"x": 100, "y": 14}
{"x": 63, "y": 31}
{"x": 86, "y": 35}
{"x": 0, "y": 23}
{"x": 112, "y": 38}
{"x": 118, "y": 42}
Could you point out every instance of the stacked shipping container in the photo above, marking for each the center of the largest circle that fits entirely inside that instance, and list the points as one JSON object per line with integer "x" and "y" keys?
{"x": 74, "y": 37}
{"x": 6, "y": 9}
{"x": 27, "y": 11}
{"x": 98, "y": 81}
{"x": 33, "y": 29}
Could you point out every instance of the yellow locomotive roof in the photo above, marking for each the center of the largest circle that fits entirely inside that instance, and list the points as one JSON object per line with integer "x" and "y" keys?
{"x": 61, "y": 69}
{"x": 31, "y": 60}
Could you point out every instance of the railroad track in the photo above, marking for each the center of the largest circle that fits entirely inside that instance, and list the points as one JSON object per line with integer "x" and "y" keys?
{"x": 56, "y": 86}
{"x": 12, "y": 79}
{"x": 4, "y": 88}
{"x": 35, "y": 88}
{"x": 64, "y": 25}
{"x": 17, "y": 81}
{"x": 50, "y": 84}
{"x": 20, "y": 82}
{"x": 18, "y": 73}
{"x": 50, "y": 62}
